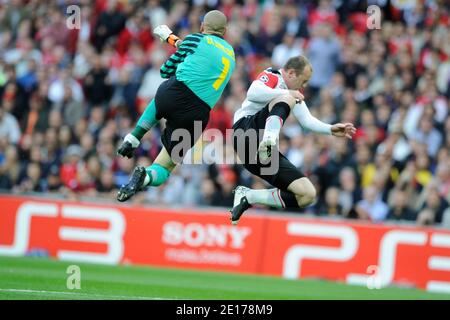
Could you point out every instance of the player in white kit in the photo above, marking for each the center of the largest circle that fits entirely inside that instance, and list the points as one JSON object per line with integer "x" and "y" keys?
{"x": 257, "y": 124}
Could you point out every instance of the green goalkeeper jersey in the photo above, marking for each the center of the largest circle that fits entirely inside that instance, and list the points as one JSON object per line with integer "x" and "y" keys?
{"x": 204, "y": 63}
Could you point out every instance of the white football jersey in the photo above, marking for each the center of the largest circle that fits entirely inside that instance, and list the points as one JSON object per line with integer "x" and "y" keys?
{"x": 260, "y": 96}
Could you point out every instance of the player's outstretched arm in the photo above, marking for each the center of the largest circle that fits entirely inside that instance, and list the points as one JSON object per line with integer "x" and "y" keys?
{"x": 165, "y": 34}
{"x": 309, "y": 122}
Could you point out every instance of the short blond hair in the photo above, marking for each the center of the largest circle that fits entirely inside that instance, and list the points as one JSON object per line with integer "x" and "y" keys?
{"x": 298, "y": 63}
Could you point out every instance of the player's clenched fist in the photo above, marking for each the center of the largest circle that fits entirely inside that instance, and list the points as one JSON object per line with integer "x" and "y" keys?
{"x": 297, "y": 95}
{"x": 163, "y": 32}
{"x": 166, "y": 35}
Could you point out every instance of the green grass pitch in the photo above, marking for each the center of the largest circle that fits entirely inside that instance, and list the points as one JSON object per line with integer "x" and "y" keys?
{"x": 41, "y": 278}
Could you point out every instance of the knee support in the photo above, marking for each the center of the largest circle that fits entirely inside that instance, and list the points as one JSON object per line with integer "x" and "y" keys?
{"x": 280, "y": 109}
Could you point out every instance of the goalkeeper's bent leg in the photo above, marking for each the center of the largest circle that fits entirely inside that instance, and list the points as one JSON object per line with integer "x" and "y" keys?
{"x": 132, "y": 140}
{"x": 160, "y": 170}
{"x": 154, "y": 175}
{"x": 146, "y": 121}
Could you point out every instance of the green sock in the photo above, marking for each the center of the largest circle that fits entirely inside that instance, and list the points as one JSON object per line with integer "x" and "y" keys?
{"x": 146, "y": 121}
{"x": 139, "y": 132}
{"x": 157, "y": 174}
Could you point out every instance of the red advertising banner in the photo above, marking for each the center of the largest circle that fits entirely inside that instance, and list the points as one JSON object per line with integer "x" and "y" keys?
{"x": 281, "y": 245}
{"x": 366, "y": 254}
{"x": 132, "y": 235}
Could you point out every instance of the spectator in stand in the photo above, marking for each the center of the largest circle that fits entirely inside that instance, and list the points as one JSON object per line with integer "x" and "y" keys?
{"x": 428, "y": 135}
{"x": 400, "y": 210}
{"x": 53, "y": 182}
{"x": 9, "y": 127}
{"x": 372, "y": 207}
{"x": 14, "y": 14}
{"x": 10, "y": 167}
{"x": 432, "y": 210}
{"x": 109, "y": 24}
{"x": 105, "y": 185}
{"x": 151, "y": 80}
{"x": 32, "y": 181}
{"x": 97, "y": 85}
{"x": 225, "y": 182}
{"x": 324, "y": 55}
{"x": 207, "y": 192}
{"x": 55, "y": 29}
{"x": 324, "y": 13}
{"x": 290, "y": 47}
{"x": 443, "y": 177}
{"x": 349, "y": 190}
{"x": 331, "y": 206}
{"x": 350, "y": 67}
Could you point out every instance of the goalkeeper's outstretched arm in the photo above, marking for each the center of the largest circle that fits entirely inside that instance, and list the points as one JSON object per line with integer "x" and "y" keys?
{"x": 166, "y": 35}
{"x": 184, "y": 48}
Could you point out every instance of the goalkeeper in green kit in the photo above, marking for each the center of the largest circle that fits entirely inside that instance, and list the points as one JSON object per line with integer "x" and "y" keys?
{"x": 197, "y": 75}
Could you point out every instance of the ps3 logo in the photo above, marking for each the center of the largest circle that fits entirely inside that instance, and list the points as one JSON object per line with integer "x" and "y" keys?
{"x": 378, "y": 276}
{"x": 112, "y": 237}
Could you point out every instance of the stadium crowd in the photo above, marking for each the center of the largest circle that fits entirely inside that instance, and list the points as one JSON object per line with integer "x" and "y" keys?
{"x": 69, "y": 95}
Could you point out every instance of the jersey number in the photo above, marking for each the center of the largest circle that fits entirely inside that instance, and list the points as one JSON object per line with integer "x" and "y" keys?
{"x": 223, "y": 75}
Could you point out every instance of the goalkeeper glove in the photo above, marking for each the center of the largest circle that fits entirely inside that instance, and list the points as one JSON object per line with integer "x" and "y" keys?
{"x": 165, "y": 34}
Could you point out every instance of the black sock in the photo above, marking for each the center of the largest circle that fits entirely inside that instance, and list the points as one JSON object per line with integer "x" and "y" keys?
{"x": 280, "y": 109}
{"x": 139, "y": 132}
{"x": 289, "y": 199}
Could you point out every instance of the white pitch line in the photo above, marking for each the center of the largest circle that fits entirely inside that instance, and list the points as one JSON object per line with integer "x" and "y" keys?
{"x": 80, "y": 293}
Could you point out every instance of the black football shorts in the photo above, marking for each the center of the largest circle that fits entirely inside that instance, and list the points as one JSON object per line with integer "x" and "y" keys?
{"x": 182, "y": 109}
{"x": 285, "y": 172}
